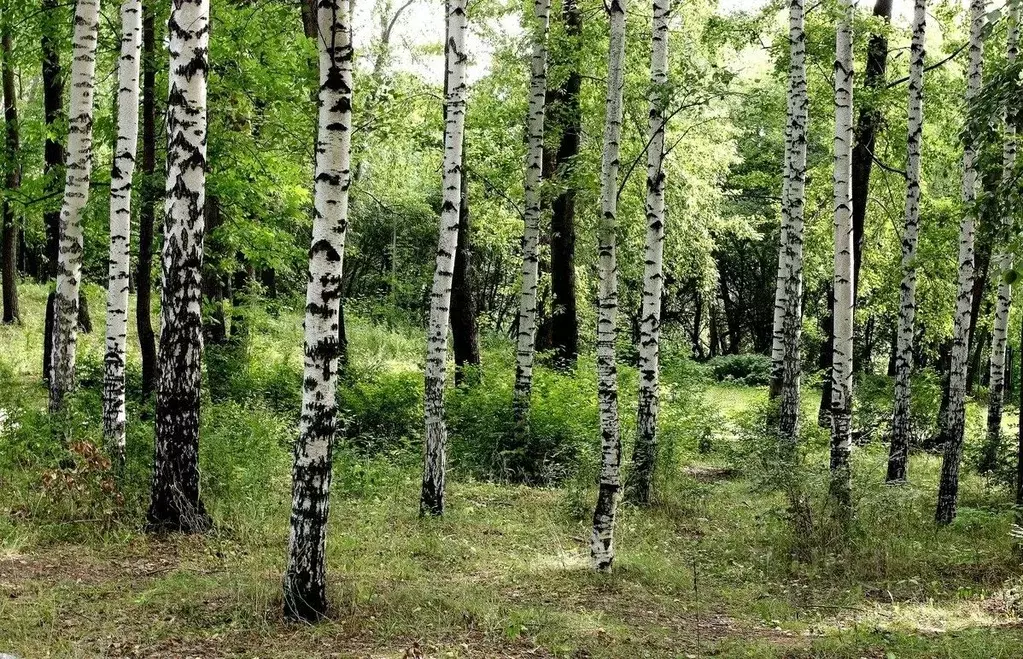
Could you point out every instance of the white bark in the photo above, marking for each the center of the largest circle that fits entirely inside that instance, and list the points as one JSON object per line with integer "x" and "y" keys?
{"x": 785, "y": 353}
{"x": 120, "y": 225}
{"x": 954, "y": 422}
{"x": 432, "y": 496}
{"x": 602, "y": 539}
{"x": 305, "y": 579}
{"x": 842, "y": 360}
{"x": 901, "y": 418}
{"x": 76, "y": 195}
{"x": 526, "y": 340}
{"x": 644, "y": 457}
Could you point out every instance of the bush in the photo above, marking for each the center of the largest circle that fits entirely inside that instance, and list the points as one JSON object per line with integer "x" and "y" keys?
{"x": 381, "y": 411}
{"x": 751, "y": 370}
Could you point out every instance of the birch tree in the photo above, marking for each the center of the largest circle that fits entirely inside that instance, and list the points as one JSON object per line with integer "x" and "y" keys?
{"x": 999, "y": 338}
{"x": 954, "y": 420}
{"x": 602, "y": 538}
{"x": 305, "y": 596}
{"x": 841, "y": 371}
{"x": 76, "y": 195}
{"x": 120, "y": 225}
{"x": 644, "y": 454}
{"x": 431, "y": 500}
{"x": 175, "y": 503}
{"x": 525, "y": 349}
{"x": 785, "y": 353}
{"x": 901, "y": 416}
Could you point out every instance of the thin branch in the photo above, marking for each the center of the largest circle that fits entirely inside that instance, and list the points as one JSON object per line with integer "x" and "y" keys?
{"x": 943, "y": 62}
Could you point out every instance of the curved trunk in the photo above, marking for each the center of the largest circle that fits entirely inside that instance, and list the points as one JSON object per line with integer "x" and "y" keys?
{"x": 147, "y": 213}
{"x": 955, "y": 418}
{"x": 602, "y": 539}
{"x": 644, "y": 456}
{"x": 525, "y": 349}
{"x": 305, "y": 596}
{"x": 120, "y": 226}
{"x": 999, "y": 342}
{"x": 901, "y": 417}
{"x": 12, "y": 181}
{"x": 175, "y": 504}
{"x": 842, "y": 359}
{"x": 788, "y": 309}
{"x": 432, "y": 497}
{"x": 76, "y": 194}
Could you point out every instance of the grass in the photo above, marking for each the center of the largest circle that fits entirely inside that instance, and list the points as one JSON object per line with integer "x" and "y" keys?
{"x": 708, "y": 571}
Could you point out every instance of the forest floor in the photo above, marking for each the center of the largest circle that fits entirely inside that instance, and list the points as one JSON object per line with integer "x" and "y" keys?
{"x": 707, "y": 571}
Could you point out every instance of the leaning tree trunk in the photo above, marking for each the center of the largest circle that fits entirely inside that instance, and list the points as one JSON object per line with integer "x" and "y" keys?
{"x": 788, "y": 320}
{"x": 12, "y": 180}
{"x": 175, "y": 503}
{"x": 602, "y": 540}
{"x": 120, "y": 226}
{"x": 431, "y": 500}
{"x": 999, "y": 342}
{"x": 644, "y": 456}
{"x": 842, "y": 360}
{"x": 902, "y": 428}
{"x": 53, "y": 163}
{"x": 525, "y": 348}
{"x": 76, "y": 195}
{"x": 147, "y": 213}
{"x": 305, "y": 596}
{"x": 955, "y": 418}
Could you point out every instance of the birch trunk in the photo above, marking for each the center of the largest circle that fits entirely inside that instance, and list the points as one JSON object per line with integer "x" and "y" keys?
{"x": 786, "y": 366}
{"x": 431, "y": 500}
{"x": 76, "y": 195}
{"x": 999, "y": 341}
{"x": 175, "y": 504}
{"x": 955, "y": 421}
{"x": 525, "y": 348}
{"x": 120, "y": 226}
{"x": 901, "y": 418}
{"x": 12, "y": 179}
{"x": 602, "y": 539}
{"x": 644, "y": 456}
{"x": 305, "y": 596}
{"x": 842, "y": 359}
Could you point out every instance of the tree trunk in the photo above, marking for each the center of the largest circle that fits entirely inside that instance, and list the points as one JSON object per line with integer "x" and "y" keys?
{"x": 525, "y": 347}
{"x": 602, "y": 540}
{"x": 53, "y": 163}
{"x": 1000, "y": 342}
{"x": 644, "y": 456}
{"x": 902, "y": 420}
{"x": 175, "y": 503}
{"x": 305, "y": 589}
{"x": 431, "y": 500}
{"x": 76, "y": 195}
{"x": 147, "y": 212}
{"x": 955, "y": 419}
{"x": 568, "y": 115}
{"x": 12, "y": 180}
{"x": 842, "y": 357}
{"x": 464, "y": 334}
{"x": 788, "y": 310}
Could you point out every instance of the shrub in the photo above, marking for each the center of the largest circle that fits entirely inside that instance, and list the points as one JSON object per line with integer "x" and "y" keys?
{"x": 381, "y": 410}
{"x": 752, "y": 370}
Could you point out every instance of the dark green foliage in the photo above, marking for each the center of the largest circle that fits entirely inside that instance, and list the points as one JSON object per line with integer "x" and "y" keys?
{"x": 752, "y": 370}
{"x": 381, "y": 411}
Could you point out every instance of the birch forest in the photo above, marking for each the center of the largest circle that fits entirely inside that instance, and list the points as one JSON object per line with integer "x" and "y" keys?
{"x": 601, "y": 329}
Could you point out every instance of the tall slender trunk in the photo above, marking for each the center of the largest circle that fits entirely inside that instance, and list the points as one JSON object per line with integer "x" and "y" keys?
{"x": 842, "y": 359}
{"x": 525, "y": 347}
{"x": 999, "y": 342}
{"x": 305, "y": 596}
{"x": 464, "y": 332}
{"x": 76, "y": 195}
{"x": 147, "y": 212}
{"x": 955, "y": 419}
{"x": 431, "y": 500}
{"x": 644, "y": 455}
{"x": 788, "y": 306}
{"x": 602, "y": 540}
{"x": 175, "y": 503}
{"x": 12, "y": 179}
{"x": 568, "y": 114}
{"x": 902, "y": 421}
{"x": 120, "y": 226}
{"x": 53, "y": 163}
